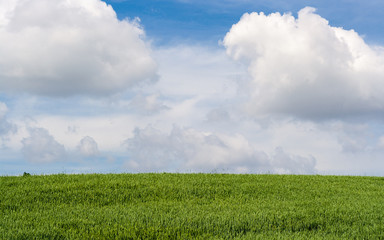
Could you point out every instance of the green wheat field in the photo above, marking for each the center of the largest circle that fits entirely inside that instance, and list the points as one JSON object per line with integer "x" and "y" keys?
{"x": 191, "y": 206}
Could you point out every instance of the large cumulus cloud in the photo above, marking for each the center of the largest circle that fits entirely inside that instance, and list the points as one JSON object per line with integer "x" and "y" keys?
{"x": 68, "y": 47}
{"x": 306, "y": 68}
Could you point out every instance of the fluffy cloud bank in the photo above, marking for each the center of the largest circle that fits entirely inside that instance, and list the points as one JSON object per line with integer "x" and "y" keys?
{"x": 192, "y": 150}
{"x": 306, "y": 68}
{"x": 62, "y": 48}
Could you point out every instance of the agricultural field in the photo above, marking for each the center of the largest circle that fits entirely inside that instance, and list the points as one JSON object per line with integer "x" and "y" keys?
{"x": 191, "y": 206}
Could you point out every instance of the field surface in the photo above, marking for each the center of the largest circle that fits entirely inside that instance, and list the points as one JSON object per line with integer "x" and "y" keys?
{"x": 191, "y": 206}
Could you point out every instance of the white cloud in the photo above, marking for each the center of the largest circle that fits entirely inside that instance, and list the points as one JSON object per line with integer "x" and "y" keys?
{"x": 5, "y": 126}
{"x": 191, "y": 150}
{"x": 147, "y": 104}
{"x": 41, "y": 147}
{"x": 218, "y": 115}
{"x": 306, "y": 68}
{"x": 353, "y": 137}
{"x": 380, "y": 142}
{"x": 6, "y": 8}
{"x": 286, "y": 164}
{"x": 3, "y": 110}
{"x": 88, "y": 147}
{"x": 62, "y": 48}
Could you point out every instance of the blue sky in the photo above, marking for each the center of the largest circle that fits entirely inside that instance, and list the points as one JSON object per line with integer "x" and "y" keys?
{"x": 192, "y": 86}
{"x": 169, "y": 21}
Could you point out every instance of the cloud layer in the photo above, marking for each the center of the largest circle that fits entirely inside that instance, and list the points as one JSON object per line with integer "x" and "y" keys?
{"x": 306, "y": 68}
{"x": 62, "y": 48}
{"x": 192, "y": 150}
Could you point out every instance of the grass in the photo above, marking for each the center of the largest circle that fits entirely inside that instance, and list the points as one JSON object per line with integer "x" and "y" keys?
{"x": 191, "y": 206}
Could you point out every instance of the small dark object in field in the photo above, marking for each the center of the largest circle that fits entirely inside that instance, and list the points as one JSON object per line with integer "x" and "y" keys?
{"x": 25, "y": 174}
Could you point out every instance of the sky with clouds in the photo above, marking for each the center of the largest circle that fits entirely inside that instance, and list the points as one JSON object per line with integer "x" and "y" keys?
{"x": 227, "y": 86}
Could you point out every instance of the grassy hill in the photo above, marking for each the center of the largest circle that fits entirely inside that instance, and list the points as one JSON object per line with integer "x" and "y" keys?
{"x": 191, "y": 206}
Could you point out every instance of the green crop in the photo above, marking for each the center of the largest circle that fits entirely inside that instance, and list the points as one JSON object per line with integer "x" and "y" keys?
{"x": 191, "y": 206}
